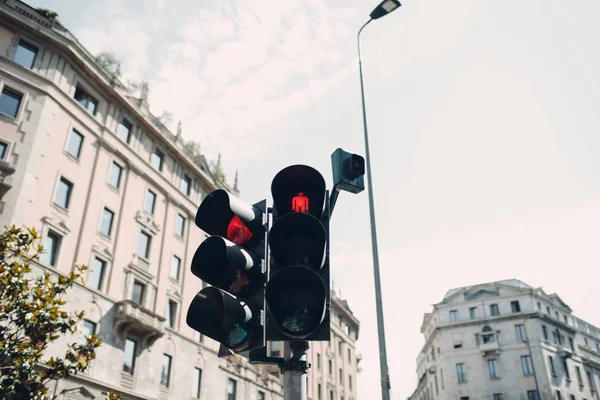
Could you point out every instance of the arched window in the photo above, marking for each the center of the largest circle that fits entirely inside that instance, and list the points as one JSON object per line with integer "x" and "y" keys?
{"x": 487, "y": 335}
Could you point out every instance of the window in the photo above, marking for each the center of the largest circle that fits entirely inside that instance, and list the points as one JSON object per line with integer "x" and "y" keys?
{"x": 340, "y": 344}
{"x": 520, "y": 331}
{"x": 572, "y": 397}
{"x": 526, "y": 365}
{"x": 88, "y": 330}
{"x": 276, "y": 349}
{"x": 565, "y": 319}
{"x": 498, "y": 396}
{"x": 25, "y": 54}
{"x": 566, "y": 368}
{"x": 51, "y": 247}
{"x": 460, "y": 372}
{"x": 179, "y": 225}
{"x": 555, "y": 337}
{"x": 150, "y": 202}
{"x": 157, "y": 160}
{"x": 473, "y": 312}
{"x": 197, "y": 383}
{"x": 464, "y": 398}
{"x": 74, "y": 144}
{"x": 571, "y": 344}
{"x": 453, "y": 315}
{"x": 231, "y": 389}
{"x": 558, "y": 396}
{"x": 114, "y": 177}
{"x": 494, "y": 309}
{"x": 165, "y": 371}
{"x": 330, "y": 368}
{"x": 499, "y": 337}
{"x": 129, "y": 356}
{"x": 578, "y": 373}
{"x": 350, "y": 381}
{"x": 3, "y": 148}
{"x": 171, "y": 314}
{"x": 319, "y": 397}
{"x": 539, "y": 306}
{"x": 590, "y": 381}
{"x": 96, "y": 274}
{"x": 124, "y": 130}
{"x": 551, "y": 363}
{"x": 349, "y": 355}
{"x": 547, "y": 310}
{"x": 138, "y": 292}
{"x": 532, "y": 395}
{"x": 492, "y": 367}
{"x": 341, "y": 376}
{"x": 63, "y": 193}
{"x": 106, "y": 221}
{"x": 331, "y": 395}
{"x": 175, "y": 266}
{"x": 260, "y": 396}
{"x": 556, "y": 313}
{"x": 186, "y": 184}
{"x": 319, "y": 361}
{"x": 144, "y": 244}
{"x": 515, "y": 306}
{"x": 487, "y": 335}
{"x": 10, "y": 100}
{"x": 544, "y": 332}
{"x": 87, "y": 101}
{"x": 442, "y": 377}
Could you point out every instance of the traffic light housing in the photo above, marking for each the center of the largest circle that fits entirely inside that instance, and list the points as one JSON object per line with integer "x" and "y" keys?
{"x": 233, "y": 262}
{"x": 348, "y": 171}
{"x": 297, "y": 294}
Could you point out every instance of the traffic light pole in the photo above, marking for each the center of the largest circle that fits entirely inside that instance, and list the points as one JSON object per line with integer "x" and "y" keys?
{"x": 294, "y": 369}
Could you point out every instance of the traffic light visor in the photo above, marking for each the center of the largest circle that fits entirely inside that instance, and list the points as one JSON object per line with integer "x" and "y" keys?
{"x": 225, "y": 215}
{"x": 227, "y": 266}
{"x": 221, "y": 317}
{"x": 298, "y": 188}
{"x": 296, "y": 297}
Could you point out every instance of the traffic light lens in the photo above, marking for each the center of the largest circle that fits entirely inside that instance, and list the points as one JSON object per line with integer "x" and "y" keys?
{"x": 237, "y": 231}
{"x": 237, "y": 336}
{"x": 300, "y": 203}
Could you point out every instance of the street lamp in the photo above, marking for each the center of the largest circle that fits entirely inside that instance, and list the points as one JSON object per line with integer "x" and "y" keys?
{"x": 384, "y": 8}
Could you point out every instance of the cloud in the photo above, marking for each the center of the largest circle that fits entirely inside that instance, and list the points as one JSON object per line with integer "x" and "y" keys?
{"x": 234, "y": 68}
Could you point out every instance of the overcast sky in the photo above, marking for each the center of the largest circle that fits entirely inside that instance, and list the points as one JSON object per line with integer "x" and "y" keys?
{"x": 484, "y": 127}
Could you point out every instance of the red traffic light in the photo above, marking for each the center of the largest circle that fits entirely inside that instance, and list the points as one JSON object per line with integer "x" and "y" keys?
{"x": 298, "y": 188}
{"x": 300, "y": 203}
{"x": 238, "y": 232}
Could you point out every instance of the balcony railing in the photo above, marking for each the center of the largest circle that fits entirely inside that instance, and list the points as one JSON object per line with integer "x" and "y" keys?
{"x": 135, "y": 319}
{"x": 489, "y": 347}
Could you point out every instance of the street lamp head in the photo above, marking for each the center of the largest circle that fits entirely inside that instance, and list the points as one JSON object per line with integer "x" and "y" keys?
{"x": 384, "y": 8}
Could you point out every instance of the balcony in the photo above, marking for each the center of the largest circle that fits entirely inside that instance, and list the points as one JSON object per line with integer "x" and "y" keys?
{"x": 489, "y": 347}
{"x": 135, "y": 319}
{"x": 5, "y": 170}
{"x": 564, "y": 352}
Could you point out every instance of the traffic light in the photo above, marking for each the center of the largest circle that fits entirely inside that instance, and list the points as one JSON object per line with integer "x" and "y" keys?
{"x": 232, "y": 261}
{"x": 297, "y": 294}
{"x": 348, "y": 171}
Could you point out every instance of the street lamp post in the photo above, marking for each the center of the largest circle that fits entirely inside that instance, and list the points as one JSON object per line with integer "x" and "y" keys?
{"x": 384, "y": 8}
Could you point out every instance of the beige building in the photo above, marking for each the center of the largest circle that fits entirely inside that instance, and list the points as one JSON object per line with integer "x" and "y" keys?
{"x": 506, "y": 340}
{"x": 83, "y": 160}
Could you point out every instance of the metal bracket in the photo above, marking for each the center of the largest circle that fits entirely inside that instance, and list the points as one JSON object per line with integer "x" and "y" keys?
{"x": 294, "y": 365}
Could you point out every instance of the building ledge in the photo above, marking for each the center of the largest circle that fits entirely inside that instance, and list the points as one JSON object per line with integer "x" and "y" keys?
{"x": 135, "y": 319}
{"x": 491, "y": 347}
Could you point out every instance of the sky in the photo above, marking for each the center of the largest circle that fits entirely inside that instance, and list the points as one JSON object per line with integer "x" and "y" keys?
{"x": 483, "y": 128}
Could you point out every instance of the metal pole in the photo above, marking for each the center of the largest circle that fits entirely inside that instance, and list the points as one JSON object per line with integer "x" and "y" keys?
{"x": 294, "y": 370}
{"x": 385, "y": 379}
{"x": 537, "y": 387}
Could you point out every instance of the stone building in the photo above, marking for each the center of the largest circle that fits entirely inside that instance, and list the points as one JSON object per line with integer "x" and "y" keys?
{"x": 506, "y": 340}
{"x": 84, "y": 161}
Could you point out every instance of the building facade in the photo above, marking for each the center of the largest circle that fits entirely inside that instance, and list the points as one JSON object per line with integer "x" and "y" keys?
{"x": 506, "y": 340}
{"x": 106, "y": 184}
